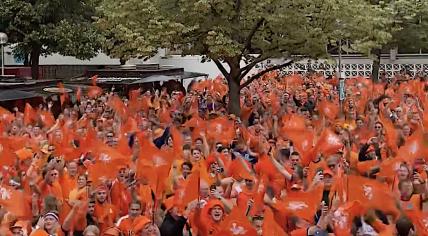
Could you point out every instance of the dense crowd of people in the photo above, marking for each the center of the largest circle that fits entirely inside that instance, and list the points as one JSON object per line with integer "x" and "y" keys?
{"x": 298, "y": 160}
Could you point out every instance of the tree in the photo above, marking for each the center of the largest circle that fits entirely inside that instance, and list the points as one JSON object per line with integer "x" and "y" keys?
{"x": 408, "y": 26}
{"x": 233, "y": 31}
{"x": 43, "y": 27}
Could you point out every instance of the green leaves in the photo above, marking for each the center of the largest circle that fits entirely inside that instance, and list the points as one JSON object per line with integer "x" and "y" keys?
{"x": 57, "y": 26}
{"x": 224, "y": 29}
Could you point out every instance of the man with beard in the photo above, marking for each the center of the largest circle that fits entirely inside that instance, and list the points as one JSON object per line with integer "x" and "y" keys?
{"x": 105, "y": 212}
{"x": 128, "y": 224}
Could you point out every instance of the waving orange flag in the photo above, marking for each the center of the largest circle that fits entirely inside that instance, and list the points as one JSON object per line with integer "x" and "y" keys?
{"x": 190, "y": 191}
{"x": 270, "y": 226}
{"x": 329, "y": 143}
{"x": 118, "y": 106}
{"x": 63, "y": 97}
{"x": 344, "y": 215}
{"x": 302, "y": 204}
{"x": 14, "y": 201}
{"x": 328, "y": 109}
{"x": 94, "y": 92}
{"x": 413, "y": 148}
{"x": 29, "y": 114}
{"x": 420, "y": 221}
{"x": 47, "y": 118}
{"x": 79, "y": 94}
{"x": 374, "y": 194}
{"x": 293, "y": 122}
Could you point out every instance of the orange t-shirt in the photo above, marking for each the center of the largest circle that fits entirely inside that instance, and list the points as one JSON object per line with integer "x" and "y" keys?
{"x": 106, "y": 214}
{"x": 130, "y": 227}
{"x": 53, "y": 189}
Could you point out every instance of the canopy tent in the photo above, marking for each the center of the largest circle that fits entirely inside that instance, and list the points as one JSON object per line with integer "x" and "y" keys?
{"x": 164, "y": 78}
{"x": 12, "y": 94}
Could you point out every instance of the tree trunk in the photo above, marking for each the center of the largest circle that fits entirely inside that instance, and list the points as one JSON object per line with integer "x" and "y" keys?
{"x": 35, "y": 59}
{"x": 26, "y": 61}
{"x": 234, "y": 105}
{"x": 376, "y": 64}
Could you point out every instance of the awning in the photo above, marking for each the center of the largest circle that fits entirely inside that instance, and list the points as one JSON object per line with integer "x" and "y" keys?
{"x": 12, "y": 94}
{"x": 189, "y": 75}
{"x": 164, "y": 78}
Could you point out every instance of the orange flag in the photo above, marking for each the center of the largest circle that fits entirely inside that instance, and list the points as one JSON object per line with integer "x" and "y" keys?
{"x": 118, "y": 106}
{"x": 344, "y": 215}
{"x": 191, "y": 190}
{"x": 94, "y": 80}
{"x": 302, "y": 140}
{"x": 14, "y": 201}
{"x": 329, "y": 143}
{"x": 391, "y": 134}
{"x": 194, "y": 122}
{"x": 63, "y": 97}
{"x": 7, "y": 155}
{"x": 328, "y": 109}
{"x": 177, "y": 140}
{"x": 79, "y": 94}
{"x": 372, "y": 193}
{"x": 29, "y": 114}
{"x": 130, "y": 126}
{"x": 389, "y": 167}
{"x": 413, "y": 148}
{"x": 103, "y": 170}
{"x": 258, "y": 195}
{"x": 236, "y": 224}
{"x": 420, "y": 221}
{"x": 164, "y": 116}
{"x": 293, "y": 122}
{"x": 270, "y": 226}
{"x": 302, "y": 204}
{"x": 47, "y": 118}
{"x": 6, "y": 115}
{"x": 94, "y": 91}
{"x": 338, "y": 187}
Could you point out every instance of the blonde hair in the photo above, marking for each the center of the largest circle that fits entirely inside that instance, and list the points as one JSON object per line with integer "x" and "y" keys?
{"x": 92, "y": 228}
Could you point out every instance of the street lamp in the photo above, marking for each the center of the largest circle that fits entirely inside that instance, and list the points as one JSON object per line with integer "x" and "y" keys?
{"x": 3, "y": 41}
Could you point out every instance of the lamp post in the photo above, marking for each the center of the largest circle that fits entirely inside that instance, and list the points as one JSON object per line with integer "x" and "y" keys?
{"x": 3, "y": 41}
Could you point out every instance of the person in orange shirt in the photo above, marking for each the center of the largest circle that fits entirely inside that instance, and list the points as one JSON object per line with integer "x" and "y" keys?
{"x": 105, "y": 212}
{"x": 48, "y": 225}
{"x": 68, "y": 179}
{"x": 119, "y": 190}
{"x": 409, "y": 200}
{"x": 79, "y": 194}
{"x": 50, "y": 186}
{"x": 128, "y": 224}
{"x": 209, "y": 218}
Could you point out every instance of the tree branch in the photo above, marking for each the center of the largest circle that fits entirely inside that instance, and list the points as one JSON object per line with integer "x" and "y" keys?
{"x": 252, "y": 33}
{"x": 221, "y": 67}
{"x": 247, "y": 68}
{"x": 238, "y": 6}
{"x": 261, "y": 73}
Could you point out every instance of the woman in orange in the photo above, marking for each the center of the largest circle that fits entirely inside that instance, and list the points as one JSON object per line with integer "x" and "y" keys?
{"x": 80, "y": 193}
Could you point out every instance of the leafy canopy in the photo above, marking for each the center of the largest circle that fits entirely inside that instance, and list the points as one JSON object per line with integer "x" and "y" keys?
{"x": 235, "y": 30}
{"x": 53, "y": 26}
